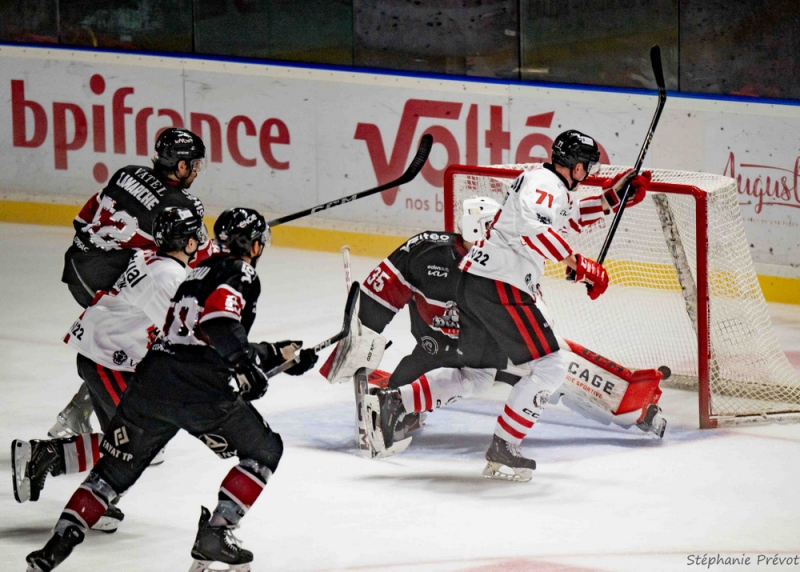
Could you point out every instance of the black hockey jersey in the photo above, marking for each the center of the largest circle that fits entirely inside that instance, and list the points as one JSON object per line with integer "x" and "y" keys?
{"x": 422, "y": 273}
{"x": 117, "y": 219}
{"x": 222, "y": 286}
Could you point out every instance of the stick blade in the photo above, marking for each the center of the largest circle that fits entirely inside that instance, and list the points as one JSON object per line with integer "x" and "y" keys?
{"x": 350, "y": 307}
{"x": 658, "y": 70}
{"x": 425, "y": 145}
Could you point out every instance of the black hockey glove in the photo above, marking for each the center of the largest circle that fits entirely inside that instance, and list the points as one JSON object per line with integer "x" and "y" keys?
{"x": 306, "y": 360}
{"x": 250, "y": 374}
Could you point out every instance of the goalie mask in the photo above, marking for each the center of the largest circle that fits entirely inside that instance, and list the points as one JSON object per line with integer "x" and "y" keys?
{"x": 479, "y": 212}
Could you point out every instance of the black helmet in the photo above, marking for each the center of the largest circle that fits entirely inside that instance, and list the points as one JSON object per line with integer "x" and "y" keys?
{"x": 173, "y": 228}
{"x": 174, "y": 145}
{"x": 237, "y": 229}
{"x": 573, "y": 147}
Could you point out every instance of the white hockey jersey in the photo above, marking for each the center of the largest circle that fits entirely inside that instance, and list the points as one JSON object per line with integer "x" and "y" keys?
{"x": 537, "y": 212}
{"x": 119, "y": 326}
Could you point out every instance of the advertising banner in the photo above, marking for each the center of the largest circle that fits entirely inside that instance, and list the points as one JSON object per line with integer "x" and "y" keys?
{"x": 284, "y": 138}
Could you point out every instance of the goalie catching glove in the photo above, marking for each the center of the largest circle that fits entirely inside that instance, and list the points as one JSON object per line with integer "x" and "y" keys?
{"x": 615, "y": 188}
{"x": 591, "y": 273}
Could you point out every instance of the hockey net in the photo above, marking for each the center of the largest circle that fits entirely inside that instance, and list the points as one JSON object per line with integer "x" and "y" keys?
{"x": 683, "y": 291}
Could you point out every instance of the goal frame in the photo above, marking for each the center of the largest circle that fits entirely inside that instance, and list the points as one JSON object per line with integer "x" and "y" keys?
{"x": 706, "y": 418}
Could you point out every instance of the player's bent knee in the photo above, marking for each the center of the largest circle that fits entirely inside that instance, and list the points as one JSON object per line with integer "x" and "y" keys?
{"x": 549, "y": 370}
{"x": 101, "y": 487}
{"x": 267, "y": 455}
{"x": 478, "y": 381}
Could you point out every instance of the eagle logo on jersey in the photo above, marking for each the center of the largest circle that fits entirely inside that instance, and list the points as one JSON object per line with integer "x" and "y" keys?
{"x": 448, "y": 322}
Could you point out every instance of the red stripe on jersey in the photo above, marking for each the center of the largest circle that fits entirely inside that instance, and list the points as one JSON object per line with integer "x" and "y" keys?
{"x": 426, "y": 391}
{"x": 80, "y": 449}
{"x": 532, "y": 246}
{"x": 517, "y": 320}
{"x": 552, "y": 248}
{"x": 465, "y": 264}
{"x": 574, "y": 226}
{"x": 226, "y": 301}
{"x": 107, "y": 384}
{"x": 139, "y": 241}
{"x": 416, "y": 389}
{"x": 516, "y": 417}
{"x": 388, "y": 284}
{"x": 509, "y": 429}
{"x": 242, "y": 487}
{"x": 534, "y": 323}
{"x": 561, "y": 240}
{"x": 89, "y": 209}
{"x": 120, "y": 380}
{"x": 95, "y": 437}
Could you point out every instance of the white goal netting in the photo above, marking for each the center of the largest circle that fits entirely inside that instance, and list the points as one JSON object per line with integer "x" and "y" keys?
{"x": 653, "y": 311}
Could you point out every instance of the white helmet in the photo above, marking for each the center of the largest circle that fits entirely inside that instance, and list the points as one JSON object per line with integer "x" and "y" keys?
{"x": 479, "y": 212}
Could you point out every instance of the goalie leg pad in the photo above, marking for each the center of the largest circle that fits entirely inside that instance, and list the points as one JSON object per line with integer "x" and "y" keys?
{"x": 606, "y": 392}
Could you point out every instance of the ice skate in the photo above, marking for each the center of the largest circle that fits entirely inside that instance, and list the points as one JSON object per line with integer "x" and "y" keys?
{"x": 110, "y": 520}
{"x": 55, "y": 551}
{"x": 382, "y": 410}
{"x": 74, "y": 419}
{"x": 653, "y": 421}
{"x": 31, "y": 461}
{"x": 408, "y": 423}
{"x": 216, "y": 549}
{"x": 505, "y": 462}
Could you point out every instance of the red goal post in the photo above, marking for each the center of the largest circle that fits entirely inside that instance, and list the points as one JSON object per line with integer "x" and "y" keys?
{"x": 683, "y": 291}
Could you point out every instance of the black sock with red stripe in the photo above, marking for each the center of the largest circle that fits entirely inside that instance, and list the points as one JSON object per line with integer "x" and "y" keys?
{"x": 239, "y": 491}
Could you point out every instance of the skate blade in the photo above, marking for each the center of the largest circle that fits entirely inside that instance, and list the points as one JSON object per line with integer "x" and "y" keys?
{"x": 20, "y": 457}
{"x": 106, "y": 525}
{"x": 397, "y": 447}
{"x": 214, "y": 566}
{"x": 502, "y": 472}
{"x": 158, "y": 459}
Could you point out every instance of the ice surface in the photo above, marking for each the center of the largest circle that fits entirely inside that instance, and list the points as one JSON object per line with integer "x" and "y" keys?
{"x": 602, "y": 499}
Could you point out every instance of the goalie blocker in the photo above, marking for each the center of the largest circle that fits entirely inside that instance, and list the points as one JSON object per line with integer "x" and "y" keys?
{"x": 607, "y": 392}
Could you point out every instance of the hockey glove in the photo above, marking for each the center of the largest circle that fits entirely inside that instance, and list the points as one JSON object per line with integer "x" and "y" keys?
{"x": 306, "y": 360}
{"x": 615, "y": 188}
{"x": 250, "y": 373}
{"x": 591, "y": 273}
{"x": 276, "y": 353}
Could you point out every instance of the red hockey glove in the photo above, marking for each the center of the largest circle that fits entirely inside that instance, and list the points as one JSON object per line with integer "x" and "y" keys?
{"x": 591, "y": 273}
{"x": 615, "y": 187}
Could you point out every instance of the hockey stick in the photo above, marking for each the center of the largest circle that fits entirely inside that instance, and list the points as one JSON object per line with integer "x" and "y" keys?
{"x": 425, "y": 144}
{"x": 658, "y": 72}
{"x": 349, "y": 309}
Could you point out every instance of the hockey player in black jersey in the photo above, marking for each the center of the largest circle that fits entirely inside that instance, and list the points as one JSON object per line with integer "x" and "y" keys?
{"x": 187, "y": 383}
{"x": 117, "y": 220}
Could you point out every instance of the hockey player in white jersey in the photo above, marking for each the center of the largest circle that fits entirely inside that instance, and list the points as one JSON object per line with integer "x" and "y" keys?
{"x": 111, "y": 336}
{"x": 502, "y": 326}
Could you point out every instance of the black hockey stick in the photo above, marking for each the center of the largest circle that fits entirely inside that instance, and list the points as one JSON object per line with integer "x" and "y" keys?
{"x": 412, "y": 171}
{"x": 349, "y": 310}
{"x": 655, "y": 59}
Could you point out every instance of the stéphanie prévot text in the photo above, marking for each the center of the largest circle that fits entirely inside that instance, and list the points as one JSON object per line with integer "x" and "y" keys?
{"x": 707, "y": 561}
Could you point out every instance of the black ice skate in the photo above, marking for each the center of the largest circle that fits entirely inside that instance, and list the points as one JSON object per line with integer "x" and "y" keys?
{"x": 216, "y": 545}
{"x": 74, "y": 419}
{"x": 383, "y": 409}
{"x": 31, "y": 461}
{"x": 110, "y": 520}
{"x": 55, "y": 551}
{"x": 505, "y": 461}
{"x": 653, "y": 421}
